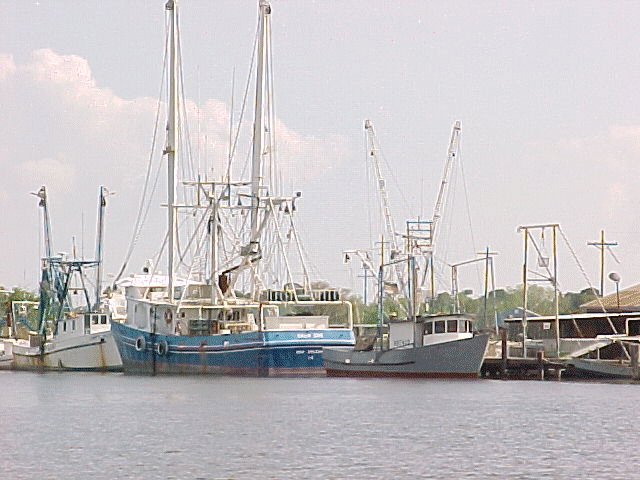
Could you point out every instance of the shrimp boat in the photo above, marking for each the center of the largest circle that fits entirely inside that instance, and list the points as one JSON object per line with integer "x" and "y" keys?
{"x": 73, "y": 331}
{"x": 421, "y": 344}
{"x": 234, "y": 306}
{"x": 427, "y": 346}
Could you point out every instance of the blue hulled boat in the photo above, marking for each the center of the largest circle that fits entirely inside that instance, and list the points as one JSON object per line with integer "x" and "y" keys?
{"x": 237, "y": 297}
{"x": 253, "y": 354}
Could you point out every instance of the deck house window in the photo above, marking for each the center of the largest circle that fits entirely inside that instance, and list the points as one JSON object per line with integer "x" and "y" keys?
{"x": 452, "y": 326}
{"x": 439, "y": 326}
{"x": 428, "y": 328}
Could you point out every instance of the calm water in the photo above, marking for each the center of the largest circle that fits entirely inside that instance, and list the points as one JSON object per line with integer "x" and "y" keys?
{"x": 116, "y": 426}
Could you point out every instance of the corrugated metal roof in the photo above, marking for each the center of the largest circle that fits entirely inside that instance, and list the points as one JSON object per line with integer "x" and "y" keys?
{"x": 629, "y": 301}
{"x": 577, "y": 316}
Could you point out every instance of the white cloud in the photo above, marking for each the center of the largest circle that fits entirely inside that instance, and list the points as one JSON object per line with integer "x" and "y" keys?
{"x": 50, "y": 170}
{"x": 7, "y": 65}
{"x": 62, "y": 129}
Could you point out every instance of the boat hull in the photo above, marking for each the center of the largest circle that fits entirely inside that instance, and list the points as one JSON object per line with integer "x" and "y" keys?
{"x": 582, "y": 367}
{"x": 454, "y": 359}
{"x": 269, "y": 353}
{"x": 91, "y": 352}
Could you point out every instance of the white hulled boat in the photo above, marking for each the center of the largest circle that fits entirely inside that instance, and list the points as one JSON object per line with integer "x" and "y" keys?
{"x": 73, "y": 327}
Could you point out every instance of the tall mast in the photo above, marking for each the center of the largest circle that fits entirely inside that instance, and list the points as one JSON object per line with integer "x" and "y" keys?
{"x": 384, "y": 198}
{"x": 102, "y": 203}
{"x": 46, "y": 222}
{"x": 258, "y": 125}
{"x": 171, "y": 147}
{"x": 454, "y": 145}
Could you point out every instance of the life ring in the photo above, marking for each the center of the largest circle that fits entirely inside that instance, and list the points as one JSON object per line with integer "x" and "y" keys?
{"x": 141, "y": 344}
{"x": 162, "y": 347}
{"x": 168, "y": 316}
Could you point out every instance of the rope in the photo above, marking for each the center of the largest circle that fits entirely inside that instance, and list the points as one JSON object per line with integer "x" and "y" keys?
{"x": 586, "y": 277}
{"x": 468, "y": 207}
{"x": 394, "y": 178}
{"x": 141, "y": 216}
{"x": 244, "y": 104}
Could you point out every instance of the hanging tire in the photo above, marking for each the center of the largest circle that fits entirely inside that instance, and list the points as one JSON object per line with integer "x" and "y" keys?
{"x": 141, "y": 344}
{"x": 162, "y": 348}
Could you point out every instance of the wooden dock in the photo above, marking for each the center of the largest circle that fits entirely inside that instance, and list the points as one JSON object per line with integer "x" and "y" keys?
{"x": 506, "y": 367}
{"x": 516, "y": 368}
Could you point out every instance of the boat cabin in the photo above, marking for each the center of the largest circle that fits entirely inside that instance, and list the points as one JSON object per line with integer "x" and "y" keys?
{"x": 86, "y": 323}
{"x": 195, "y": 314}
{"x": 430, "y": 330}
{"x": 578, "y": 331}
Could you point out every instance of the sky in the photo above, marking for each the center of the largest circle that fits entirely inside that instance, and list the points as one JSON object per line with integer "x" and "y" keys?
{"x": 546, "y": 93}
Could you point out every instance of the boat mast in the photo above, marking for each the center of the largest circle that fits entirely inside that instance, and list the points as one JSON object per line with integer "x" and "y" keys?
{"x": 171, "y": 147}
{"x": 452, "y": 153}
{"x": 102, "y": 203}
{"x": 42, "y": 195}
{"x": 382, "y": 191}
{"x": 258, "y": 125}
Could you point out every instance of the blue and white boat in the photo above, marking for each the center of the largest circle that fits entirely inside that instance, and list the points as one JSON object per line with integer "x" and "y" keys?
{"x": 237, "y": 297}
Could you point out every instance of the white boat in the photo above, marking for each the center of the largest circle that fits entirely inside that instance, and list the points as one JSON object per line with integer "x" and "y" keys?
{"x": 609, "y": 356}
{"x": 73, "y": 331}
{"x": 82, "y": 342}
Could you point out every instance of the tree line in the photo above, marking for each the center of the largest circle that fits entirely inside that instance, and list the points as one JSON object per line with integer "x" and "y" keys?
{"x": 503, "y": 301}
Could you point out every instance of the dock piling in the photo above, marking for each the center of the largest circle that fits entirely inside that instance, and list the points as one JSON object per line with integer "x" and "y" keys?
{"x": 633, "y": 353}
{"x": 504, "y": 352}
{"x": 540, "y": 359}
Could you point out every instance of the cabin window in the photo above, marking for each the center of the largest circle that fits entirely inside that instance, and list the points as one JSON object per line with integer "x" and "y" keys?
{"x": 452, "y": 326}
{"x": 469, "y": 326}
{"x": 64, "y": 326}
{"x": 462, "y": 326}
{"x": 428, "y": 328}
{"x": 439, "y": 328}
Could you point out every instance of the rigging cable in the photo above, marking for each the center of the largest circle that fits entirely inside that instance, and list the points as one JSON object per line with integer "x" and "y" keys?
{"x": 395, "y": 180}
{"x": 141, "y": 216}
{"x": 468, "y": 207}
{"x": 586, "y": 277}
{"x": 244, "y": 104}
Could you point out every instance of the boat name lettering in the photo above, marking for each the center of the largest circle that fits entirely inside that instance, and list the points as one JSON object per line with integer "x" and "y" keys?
{"x": 310, "y": 335}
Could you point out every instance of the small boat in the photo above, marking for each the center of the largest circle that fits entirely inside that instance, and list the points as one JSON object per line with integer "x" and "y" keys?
{"x": 73, "y": 331}
{"x": 430, "y": 346}
{"x": 608, "y": 357}
{"x": 421, "y": 345}
{"x": 447, "y": 347}
{"x": 81, "y": 342}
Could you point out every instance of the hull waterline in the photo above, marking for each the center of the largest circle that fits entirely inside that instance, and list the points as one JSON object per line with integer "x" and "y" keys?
{"x": 282, "y": 353}
{"x": 455, "y": 359}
